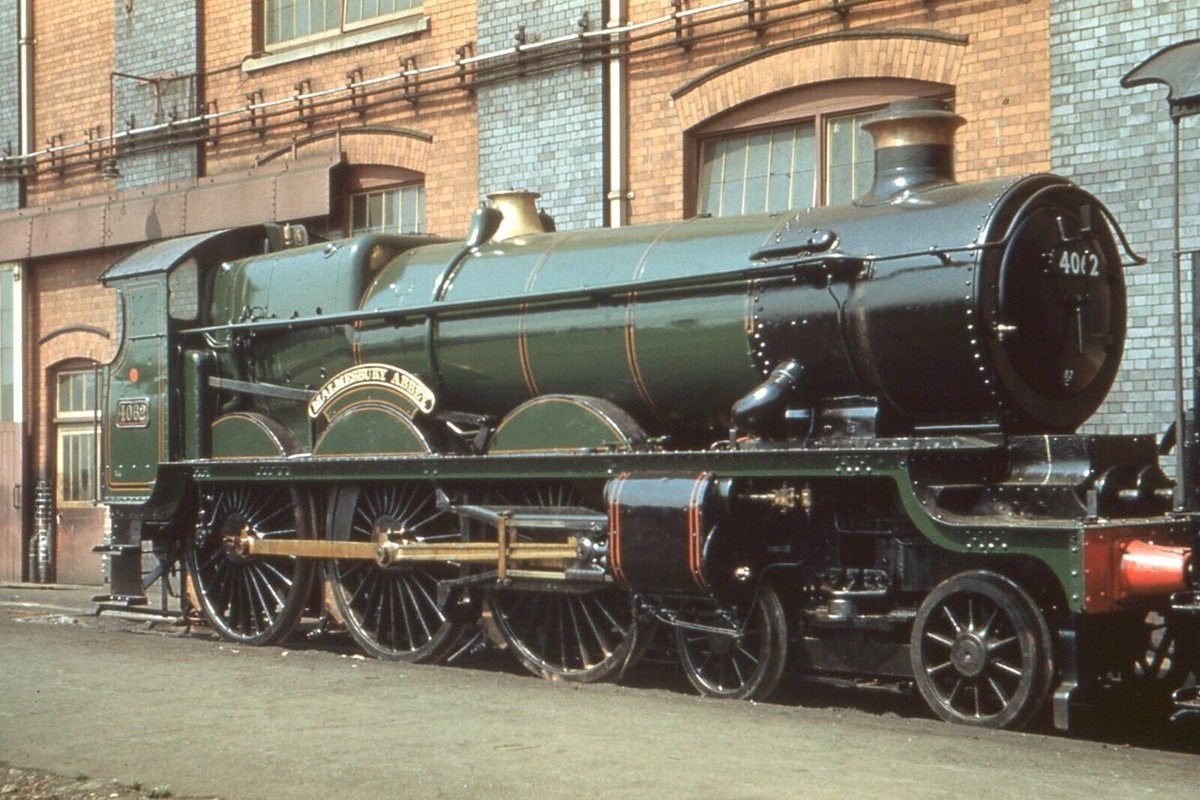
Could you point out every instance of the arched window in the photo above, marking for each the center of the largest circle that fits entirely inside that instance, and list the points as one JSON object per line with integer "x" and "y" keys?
{"x": 793, "y": 149}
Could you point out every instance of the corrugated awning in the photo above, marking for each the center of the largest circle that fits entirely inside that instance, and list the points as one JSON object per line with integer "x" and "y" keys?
{"x": 296, "y": 190}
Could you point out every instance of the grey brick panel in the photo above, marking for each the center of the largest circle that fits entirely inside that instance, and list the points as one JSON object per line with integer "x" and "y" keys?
{"x": 1117, "y": 143}
{"x": 544, "y": 132}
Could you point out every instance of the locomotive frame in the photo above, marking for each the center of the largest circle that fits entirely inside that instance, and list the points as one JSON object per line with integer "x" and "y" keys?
{"x": 790, "y": 502}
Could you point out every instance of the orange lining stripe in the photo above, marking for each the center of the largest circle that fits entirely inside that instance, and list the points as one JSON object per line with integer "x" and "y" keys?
{"x": 523, "y": 351}
{"x": 614, "y": 529}
{"x": 631, "y": 358}
{"x": 694, "y": 532}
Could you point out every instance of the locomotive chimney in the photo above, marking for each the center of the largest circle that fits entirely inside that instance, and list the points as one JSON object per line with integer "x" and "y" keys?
{"x": 914, "y": 148}
{"x": 520, "y": 214}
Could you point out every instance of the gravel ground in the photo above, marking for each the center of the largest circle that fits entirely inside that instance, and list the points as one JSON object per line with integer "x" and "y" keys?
{"x": 109, "y": 707}
{"x": 33, "y": 784}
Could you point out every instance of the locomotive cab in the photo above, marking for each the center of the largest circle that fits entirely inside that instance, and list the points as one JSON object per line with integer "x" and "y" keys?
{"x": 161, "y": 290}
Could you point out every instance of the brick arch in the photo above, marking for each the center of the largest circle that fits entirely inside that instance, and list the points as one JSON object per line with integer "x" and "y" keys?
{"x": 932, "y": 58}
{"x": 72, "y": 345}
{"x": 395, "y": 147}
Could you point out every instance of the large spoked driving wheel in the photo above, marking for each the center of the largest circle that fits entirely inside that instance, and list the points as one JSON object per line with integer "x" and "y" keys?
{"x": 570, "y": 637}
{"x": 393, "y": 612}
{"x": 981, "y": 652}
{"x": 251, "y": 600}
{"x": 580, "y": 637}
{"x": 743, "y": 666}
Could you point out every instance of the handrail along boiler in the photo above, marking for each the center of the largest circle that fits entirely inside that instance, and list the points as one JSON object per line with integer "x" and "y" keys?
{"x": 846, "y": 434}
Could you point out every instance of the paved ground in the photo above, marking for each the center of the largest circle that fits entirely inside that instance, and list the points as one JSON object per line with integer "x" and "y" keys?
{"x": 109, "y": 699}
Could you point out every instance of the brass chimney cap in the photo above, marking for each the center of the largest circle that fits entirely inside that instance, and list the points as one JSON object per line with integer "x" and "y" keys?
{"x": 914, "y": 122}
{"x": 520, "y": 213}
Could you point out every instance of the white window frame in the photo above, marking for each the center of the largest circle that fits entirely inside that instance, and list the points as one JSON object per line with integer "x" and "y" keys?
{"x": 343, "y": 27}
{"x": 385, "y": 192}
{"x": 75, "y": 423}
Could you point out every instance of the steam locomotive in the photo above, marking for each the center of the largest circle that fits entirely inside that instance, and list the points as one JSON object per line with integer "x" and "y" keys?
{"x": 841, "y": 438}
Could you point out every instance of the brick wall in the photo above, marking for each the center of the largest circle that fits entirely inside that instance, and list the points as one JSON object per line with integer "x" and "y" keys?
{"x": 1000, "y": 78}
{"x": 70, "y": 303}
{"x": 544, "y": 132}
{"x": 73, "y": 63}
{"x": 1117, "y": 143}
{"x": 155, "y": 41}
{"x": 449, "y": 164}
{"x": 9, "y": 100}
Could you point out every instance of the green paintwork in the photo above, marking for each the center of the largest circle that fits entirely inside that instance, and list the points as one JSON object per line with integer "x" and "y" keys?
{"x": 370, "y": 428}
{"x": 691, "y": 350}
{"x": 557, "y": 424}
{"x": 249, "y": 437}
{"x": 131, "y": 454}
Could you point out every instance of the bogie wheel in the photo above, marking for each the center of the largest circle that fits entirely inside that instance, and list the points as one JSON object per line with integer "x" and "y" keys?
{"x": 578, "y": 637}
{"x": 1156, "y": 656}
{"x": 393, "y": 612}
{"x": 738, "y": 667}
{"x": 981, "y": 652}
{"x": 250, "y": 600}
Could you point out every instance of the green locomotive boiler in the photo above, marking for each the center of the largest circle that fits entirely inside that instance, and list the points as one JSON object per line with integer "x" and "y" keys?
{"x": 841, "y": 438}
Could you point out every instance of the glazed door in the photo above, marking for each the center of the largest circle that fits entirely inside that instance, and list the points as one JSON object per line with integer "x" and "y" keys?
{"x": 12, "y": 450}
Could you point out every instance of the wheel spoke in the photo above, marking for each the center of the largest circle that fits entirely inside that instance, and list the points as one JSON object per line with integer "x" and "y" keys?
{"x": 1008, "y": 668}
{"x": 940, "y": 639}
{"x": 999, "y": 692}
{"x": 950, "y": 617}
{"x": 1002, "y": 643}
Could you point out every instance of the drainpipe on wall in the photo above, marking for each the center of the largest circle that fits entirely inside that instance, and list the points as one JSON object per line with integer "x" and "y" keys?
{"x": 25, "y": 43}
{"x": 617, "y": 110}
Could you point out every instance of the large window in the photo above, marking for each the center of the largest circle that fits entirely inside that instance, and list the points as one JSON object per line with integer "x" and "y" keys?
{"x": 395, "y": 209}
{"x": 290, "y": 20}
{"x": 803, "y": 148}
{"x": 75, "y": 424}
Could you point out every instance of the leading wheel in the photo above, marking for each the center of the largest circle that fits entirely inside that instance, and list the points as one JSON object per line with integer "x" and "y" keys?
{"x": 251, "y": 600}
{"x": 981, "y": 652}
{"x": 744, "y": 666}
{"x": 393, "y": 612}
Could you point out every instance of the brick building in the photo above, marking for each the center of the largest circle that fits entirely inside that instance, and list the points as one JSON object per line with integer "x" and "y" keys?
{"x": 139, "y": 121}
{"x": 1118, "y": 142}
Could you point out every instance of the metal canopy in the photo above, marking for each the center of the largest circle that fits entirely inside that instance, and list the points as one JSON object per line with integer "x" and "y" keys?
{"x": 1178, "y": 67}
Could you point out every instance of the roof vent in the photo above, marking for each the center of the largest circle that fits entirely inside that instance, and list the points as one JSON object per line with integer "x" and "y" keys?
{"x": 914, "y": 148}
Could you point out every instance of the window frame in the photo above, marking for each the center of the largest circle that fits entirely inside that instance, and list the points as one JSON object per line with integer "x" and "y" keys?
{"x": 76, "y": 423}
{"x": 341, "y": 29}
{"x": 818, "y": 104}
{"x": 371, "y": 178}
